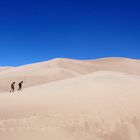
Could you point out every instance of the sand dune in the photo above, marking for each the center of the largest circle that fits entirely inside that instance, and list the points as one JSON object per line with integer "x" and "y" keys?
{"x": 59, "y": 69}
{"x": 98, "y": 106}
{"x": 126, "y": 65}
{"x": 5, "y": 68}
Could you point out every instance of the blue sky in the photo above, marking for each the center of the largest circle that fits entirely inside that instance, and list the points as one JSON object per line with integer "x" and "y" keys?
{"x": 38, "y": 30}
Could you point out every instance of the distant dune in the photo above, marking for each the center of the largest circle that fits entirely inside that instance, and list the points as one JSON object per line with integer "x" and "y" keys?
{"x": 59, "y": 69}
{"x": 103, "y": 105}
{"x": 5, "y": 68}
{"x": 131, "y": 66}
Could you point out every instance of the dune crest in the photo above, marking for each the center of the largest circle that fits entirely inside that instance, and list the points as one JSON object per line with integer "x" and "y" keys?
{"x": 5, "y": 68}
{"x": 62, "y": 68}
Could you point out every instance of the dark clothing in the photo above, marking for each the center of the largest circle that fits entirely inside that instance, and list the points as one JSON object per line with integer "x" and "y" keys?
{"x": 12, "y": 87}
{"x": 20, "y": 86}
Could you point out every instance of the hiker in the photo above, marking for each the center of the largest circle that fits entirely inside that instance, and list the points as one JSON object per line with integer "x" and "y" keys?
{"x": 20, "y": 86}
{"x": 13, "y": 87}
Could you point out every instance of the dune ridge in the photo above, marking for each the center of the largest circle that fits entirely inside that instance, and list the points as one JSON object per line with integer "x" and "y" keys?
{"x": 62, "y": 68}
{"x": 5, "y": 68}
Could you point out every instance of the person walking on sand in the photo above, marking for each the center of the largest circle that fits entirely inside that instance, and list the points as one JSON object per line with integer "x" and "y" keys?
{"x": 20, "y": 86}
{"x": 13, "y": 87}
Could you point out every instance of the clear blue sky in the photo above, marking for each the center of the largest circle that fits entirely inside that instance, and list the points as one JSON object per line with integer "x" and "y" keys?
{"x": 38, "y": 30}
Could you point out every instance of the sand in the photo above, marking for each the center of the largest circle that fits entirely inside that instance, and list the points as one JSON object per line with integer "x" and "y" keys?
{"x": 59, "y": 69}
{"x": 5, "y": 68}
{"x": 101, "y": 105}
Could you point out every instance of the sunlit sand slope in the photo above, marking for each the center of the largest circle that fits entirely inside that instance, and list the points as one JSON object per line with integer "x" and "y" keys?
{"x": 103, "y": 105}
{"x": 59, "y": 69}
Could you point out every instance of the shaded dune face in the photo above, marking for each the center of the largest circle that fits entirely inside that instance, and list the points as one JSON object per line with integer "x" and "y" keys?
{"x": 60, "y": 69}
{"x": 98, "y": 106}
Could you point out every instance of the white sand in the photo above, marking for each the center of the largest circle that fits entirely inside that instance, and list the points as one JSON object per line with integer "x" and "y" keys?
{"x": 104, "y": 105}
